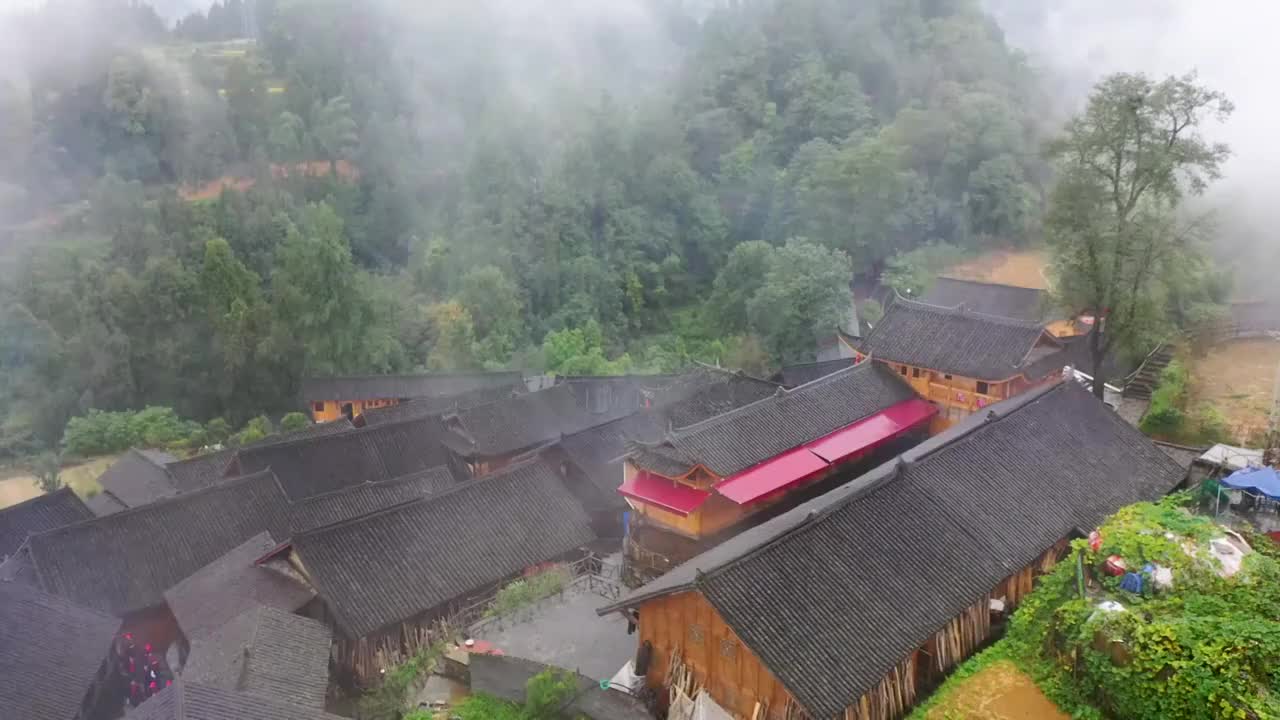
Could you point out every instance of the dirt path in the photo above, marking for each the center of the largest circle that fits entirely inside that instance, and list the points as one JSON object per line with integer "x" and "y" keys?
{"x": 1023, "y": 268}
{"x": 17, "y": 485}
{"x": 1000, "y": 692}
{"x": 1238, "y": 379}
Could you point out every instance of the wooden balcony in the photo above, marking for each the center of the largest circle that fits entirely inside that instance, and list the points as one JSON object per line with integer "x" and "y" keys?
{"x": 960, "y": 399}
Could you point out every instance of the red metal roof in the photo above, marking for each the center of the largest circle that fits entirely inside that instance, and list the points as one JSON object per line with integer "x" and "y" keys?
{"x": 798, "y": 464}
{"x": 772, "y": 475}
{"x": 871, "y": 431}
{"x": 666, "y": 494}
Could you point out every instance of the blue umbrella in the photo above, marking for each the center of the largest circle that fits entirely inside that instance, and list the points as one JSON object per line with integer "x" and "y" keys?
{"x": 1262, "y": 481}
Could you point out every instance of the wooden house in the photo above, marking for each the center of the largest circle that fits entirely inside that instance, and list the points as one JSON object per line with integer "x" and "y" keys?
{"x": 1030, "y": 305}
{"x": 853, "y": 604}
{"x": 592, "y": 460}
{"x": 317, "y": 465}
{"x": 436, "y": 406}
{"x": 41, "y": 513}
{"x": 711, "y": 479}
{"x": 207, "y": 469}
{"x": 186, "y": 700}
{"x": 136, "y": 478}
{"x": 334, "y": 398}
{"x": 54, "y": 657}
{"x": 123, "y": 563}
{"x": 383, "y": 580}
{"x": 268, "y": 653}
{"x": 963, "y": 361}
{"x": 216, "y": 594}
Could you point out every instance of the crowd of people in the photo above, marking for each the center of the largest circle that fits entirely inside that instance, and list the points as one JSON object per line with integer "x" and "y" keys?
{"x": 141, "y": 670}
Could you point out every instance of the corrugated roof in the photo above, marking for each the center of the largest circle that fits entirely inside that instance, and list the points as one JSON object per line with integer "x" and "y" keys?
{"x": 233, "y": 584}
{"x": 734, "y": 441}
{"x": 353, "y": 502}
{"x": 1007, "y": 301}
{"x": 959, "y": 342}
{"x": 396, "y": 564}
{"x": 932, "y": 531}
{"x": 50, "y": 652}
{"x": 265, "y": 652}
{"x": 45, "y": 512}
{"x": 314, "y": 466}
{"x": 369, "y": 387}
{"x": 124, "y": 562}
{"x": 138, "y": 477}
{"x": 191, "y": 701}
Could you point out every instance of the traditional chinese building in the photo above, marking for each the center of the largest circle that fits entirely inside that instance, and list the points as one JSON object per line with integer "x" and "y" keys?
{"x": 332, "y": 398}
{"x": 1030, "y": 305}
{"x": 963, "y": 361}
{"x": 702, "y": 483}
{"x": 854, "y": 603}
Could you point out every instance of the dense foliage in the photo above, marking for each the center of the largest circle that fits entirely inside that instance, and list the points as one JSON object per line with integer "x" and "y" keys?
{"x": 1207, "y": 647}
{"x": 405, "y": 196}
{"x": 1173, "y": 417}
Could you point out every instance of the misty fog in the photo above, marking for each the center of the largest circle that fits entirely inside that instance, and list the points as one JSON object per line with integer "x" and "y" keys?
{"x": 1230, "y": 44}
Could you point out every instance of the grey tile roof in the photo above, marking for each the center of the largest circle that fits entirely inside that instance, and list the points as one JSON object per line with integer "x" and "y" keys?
{"x": 313, "y": 466}
{"x": 427, "y": 407}
{"x": 353, "y": 502}
{"x": 218, "y": 592}
{"x": 734, "y": 441}
{"x": 797, "y": 375}
{"x": 524, "y": 422}
{"x": 369, "y": 387}
{"x": 103, "y": 504}
{"x": 50, "y": 652}
{"x": 138, "y": 477}
{"x": 957, "y": 342}
{"x": 1007, "y": 301}
{"x": 124, "y": 562}
{"x": 699, "y": 395}
{"x": 211, "y": 468}
{"x": 396, "y": 564}
{"x": 38, "y": 514}
{"x": 190, "y": 701}
{"x": 832, "y": 594}
{"x": 266, "y": 652}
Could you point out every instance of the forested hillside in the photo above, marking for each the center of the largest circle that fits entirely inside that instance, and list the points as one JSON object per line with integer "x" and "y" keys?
{"x": 581, "y": 186}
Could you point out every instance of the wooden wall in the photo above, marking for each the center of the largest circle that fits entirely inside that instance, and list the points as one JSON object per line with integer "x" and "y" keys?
{"x": 688, "y": 625}
{"x": 330, "y": 410}
{"x": 719, "y": 660}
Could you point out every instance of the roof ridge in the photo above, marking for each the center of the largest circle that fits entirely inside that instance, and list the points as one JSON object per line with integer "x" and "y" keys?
{"x": 231, "y": 482}
{"x": 990, "y": 284}
{"x": 959, "y": 311}
{"x": 783, "y": 392}
{"x": 831, "y": 501}
{"x": 503, "y": 474}
{"x": 397, "y": 480}
{"x": 41, "y": 498}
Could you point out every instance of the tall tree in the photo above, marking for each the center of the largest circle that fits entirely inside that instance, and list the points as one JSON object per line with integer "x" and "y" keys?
{"x": 805, "y": 294}
{"x": 1125, "y": 166}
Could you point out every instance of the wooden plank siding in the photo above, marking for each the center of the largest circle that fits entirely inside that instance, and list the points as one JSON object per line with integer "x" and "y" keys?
{"x": 330, "y": 410}
{"x": 688, "y": 625}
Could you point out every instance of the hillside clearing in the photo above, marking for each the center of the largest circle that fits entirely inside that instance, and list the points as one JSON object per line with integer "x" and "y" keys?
{"x": 998, "y": 692}
{"x": 18, "y": 484}
{"x": 1021, "y": 268}
{"x": 1238, "y": 379}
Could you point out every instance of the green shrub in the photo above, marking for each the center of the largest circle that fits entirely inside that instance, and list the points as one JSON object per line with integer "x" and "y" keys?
{"x": 529, "y": 590}
{"x": 217, "y": 431}
{"x": 100, "y": 433}
{"x": 294, "y": 422}
{"x": 1212, "y": 427}
{"x": 1165, "y": 416}
{"x": 253, "y": 431}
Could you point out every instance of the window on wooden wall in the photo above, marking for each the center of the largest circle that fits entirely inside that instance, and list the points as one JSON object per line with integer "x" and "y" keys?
{"x": 902, "y": 369}
{"x": 696, "y": 634}
{"x": 728, "y": 648}
{"x": 915, "y": 372}
{"x": 947, "y": 377}
{"x": 983, "y": 388}
{"x": 318, "y": 407}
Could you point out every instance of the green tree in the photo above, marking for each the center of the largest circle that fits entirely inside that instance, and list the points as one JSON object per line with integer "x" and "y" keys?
{"x": 293, "y": 422}
{"x": 1125, "y": 165}
{"x": 805, "y": 295}
{"x": 287, "y": 138}
{"x": 496, "y": 308}
{"x": 453, "y": 337}
{"x": 48, "y": 471}
{"x": 334, "y": 129}
{"x": 737, "y": 282}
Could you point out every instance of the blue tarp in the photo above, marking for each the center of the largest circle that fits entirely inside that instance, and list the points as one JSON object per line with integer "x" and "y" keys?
{"x": 1265, "y": 481}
